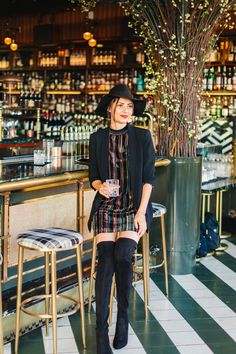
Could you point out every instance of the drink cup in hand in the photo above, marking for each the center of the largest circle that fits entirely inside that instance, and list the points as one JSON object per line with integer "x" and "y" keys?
{"x": 113, "y": 187}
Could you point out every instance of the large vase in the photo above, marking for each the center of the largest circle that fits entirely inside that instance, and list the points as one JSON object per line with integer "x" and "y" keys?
{"x": 178, "y": 186}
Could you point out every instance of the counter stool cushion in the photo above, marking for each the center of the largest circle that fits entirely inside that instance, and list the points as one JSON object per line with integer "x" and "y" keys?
{"x": 49, "y": 238}
{"x": 158, "y": 210}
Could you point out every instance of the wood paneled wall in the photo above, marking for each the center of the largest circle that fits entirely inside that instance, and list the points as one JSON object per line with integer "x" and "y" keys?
{"x": 109, "y": 22}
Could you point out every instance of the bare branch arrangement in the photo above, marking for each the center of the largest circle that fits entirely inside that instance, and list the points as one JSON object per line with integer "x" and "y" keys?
{"x": 177, "y": 36}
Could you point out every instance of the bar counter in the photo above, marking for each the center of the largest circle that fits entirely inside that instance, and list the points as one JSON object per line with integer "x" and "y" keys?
{"x": 57, "y": 194}
{"x": 21, "y": 173}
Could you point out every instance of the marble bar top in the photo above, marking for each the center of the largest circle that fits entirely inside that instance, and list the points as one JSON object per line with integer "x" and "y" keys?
{"x": 12, "y": 171}
{"x": 18, "y": 169}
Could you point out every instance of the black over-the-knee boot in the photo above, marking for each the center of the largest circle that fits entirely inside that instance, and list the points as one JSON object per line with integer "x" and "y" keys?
{"x": 124, "y": 250}
{"x": 105, "y": 271}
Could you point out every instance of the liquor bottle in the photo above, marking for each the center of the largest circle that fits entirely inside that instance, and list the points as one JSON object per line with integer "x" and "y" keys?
{"x": 217, "y": 83}
{"x": 231, "y": 107}
{"x": 213, "y": 108}
{"x": 234, "y": 80}
{"x": 230, "y": 79}
{"x": 224, "y": 78}
{"x": 140, "y": 83}
{"x": 210, "y": 79}
{"x": 225, "y": 108}
{"x": 230, "y": 57}
{"x": 202, "y": 109}
{"x": 218, "y": 108}
{"x": 204, "y": 80}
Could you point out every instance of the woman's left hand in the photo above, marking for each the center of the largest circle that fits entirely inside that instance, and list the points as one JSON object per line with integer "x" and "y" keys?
{"x": 140, "y": 223}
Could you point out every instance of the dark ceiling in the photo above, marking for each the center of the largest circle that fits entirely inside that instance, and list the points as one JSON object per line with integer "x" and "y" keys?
{"x": 12, "y": 7}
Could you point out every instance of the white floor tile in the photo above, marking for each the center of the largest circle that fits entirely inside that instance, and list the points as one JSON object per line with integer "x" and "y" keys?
{"x": 63, "y": 332}
{"x": 160, "y": 305}
{"x": 166, "y": 315}
{"x": 186, "y": 338}
{"x": 7, "y": 348}
{"x": 65, "y": 338}
{"x": 201, "y": 293}
{"x": 176, "y": 326}
{"x": 64, "y": 346}
{"x": 222, "y": 311}
{"x": 209, "y": 302}
{"x": 194, "y": 349}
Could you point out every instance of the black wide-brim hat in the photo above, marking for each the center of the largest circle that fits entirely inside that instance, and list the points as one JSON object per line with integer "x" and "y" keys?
{"x": 119, "y": 91}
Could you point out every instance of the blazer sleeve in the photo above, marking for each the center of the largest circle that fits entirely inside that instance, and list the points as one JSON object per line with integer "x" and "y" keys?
{"x": 93, "y": 163}
{"x": 148, "y": 159}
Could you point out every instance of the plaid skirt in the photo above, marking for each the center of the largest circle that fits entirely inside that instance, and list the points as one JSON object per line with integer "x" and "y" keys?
{"x": 113, "y": 220}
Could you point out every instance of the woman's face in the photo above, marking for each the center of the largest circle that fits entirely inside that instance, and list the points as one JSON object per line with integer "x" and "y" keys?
{"x": 121, "y": 111}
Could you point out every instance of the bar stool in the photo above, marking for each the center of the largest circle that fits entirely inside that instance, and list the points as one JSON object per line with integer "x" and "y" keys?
{"x": 1, "y": 327}
{"x": 159, "y": 211}
{"x": 49, "y": 241}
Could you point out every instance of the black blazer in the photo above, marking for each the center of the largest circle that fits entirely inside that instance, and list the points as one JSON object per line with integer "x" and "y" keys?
{"x": 141, "y": 159}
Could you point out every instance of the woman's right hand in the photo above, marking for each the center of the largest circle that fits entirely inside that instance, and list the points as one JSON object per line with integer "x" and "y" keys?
{"x": 104, "y": 190}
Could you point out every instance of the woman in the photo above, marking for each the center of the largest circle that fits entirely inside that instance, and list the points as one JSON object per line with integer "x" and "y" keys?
{"x": 126, "y": 153}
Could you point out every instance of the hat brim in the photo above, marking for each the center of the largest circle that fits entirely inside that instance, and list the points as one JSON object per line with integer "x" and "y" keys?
{"x": 101, "y": 110}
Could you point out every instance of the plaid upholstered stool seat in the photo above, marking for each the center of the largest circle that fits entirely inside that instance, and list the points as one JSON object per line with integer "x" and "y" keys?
{"x": 158, "y": 210}
{"x": 1, "y": 327}
{"x": 49, "y": 241}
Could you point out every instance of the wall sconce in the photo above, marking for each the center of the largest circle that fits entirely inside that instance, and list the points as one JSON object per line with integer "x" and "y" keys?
{"x": 13, "y": 46}
{"x": 7, "y": 40}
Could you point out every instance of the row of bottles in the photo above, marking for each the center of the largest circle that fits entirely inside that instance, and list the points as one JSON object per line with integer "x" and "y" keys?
{"x": 218, "y": 107}
{"x": 77, "y": 57}
{"x": 48, "y": 59}
{"x": 103, "y": 57}
{"x": 30, "y": 99}
{"x": 225, "y": 51}
{"x": 100, "y": 80}
{"x": 219, "y": 78}
{"x": 63, "y": 104}
{"x": 71, "y": 81}
{"x": 68, "y": 126}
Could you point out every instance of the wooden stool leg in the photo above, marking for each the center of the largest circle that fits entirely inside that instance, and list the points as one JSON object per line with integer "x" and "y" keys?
{"x": 144, "y": 251}
{"x": 81, "y": 293}
{"x": 18, "y": 298}
{"x": 163, "y": 235}
{"x": 113, "y": 285}
{"x": 46, "y": 262}
{"x": 54, "y": 300}
{"x": 1, "y": 327}
{"x": 91, "y": 281}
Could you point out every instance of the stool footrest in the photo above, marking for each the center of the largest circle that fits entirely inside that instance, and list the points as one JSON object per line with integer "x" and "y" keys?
{"x": 49, "y": 316}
